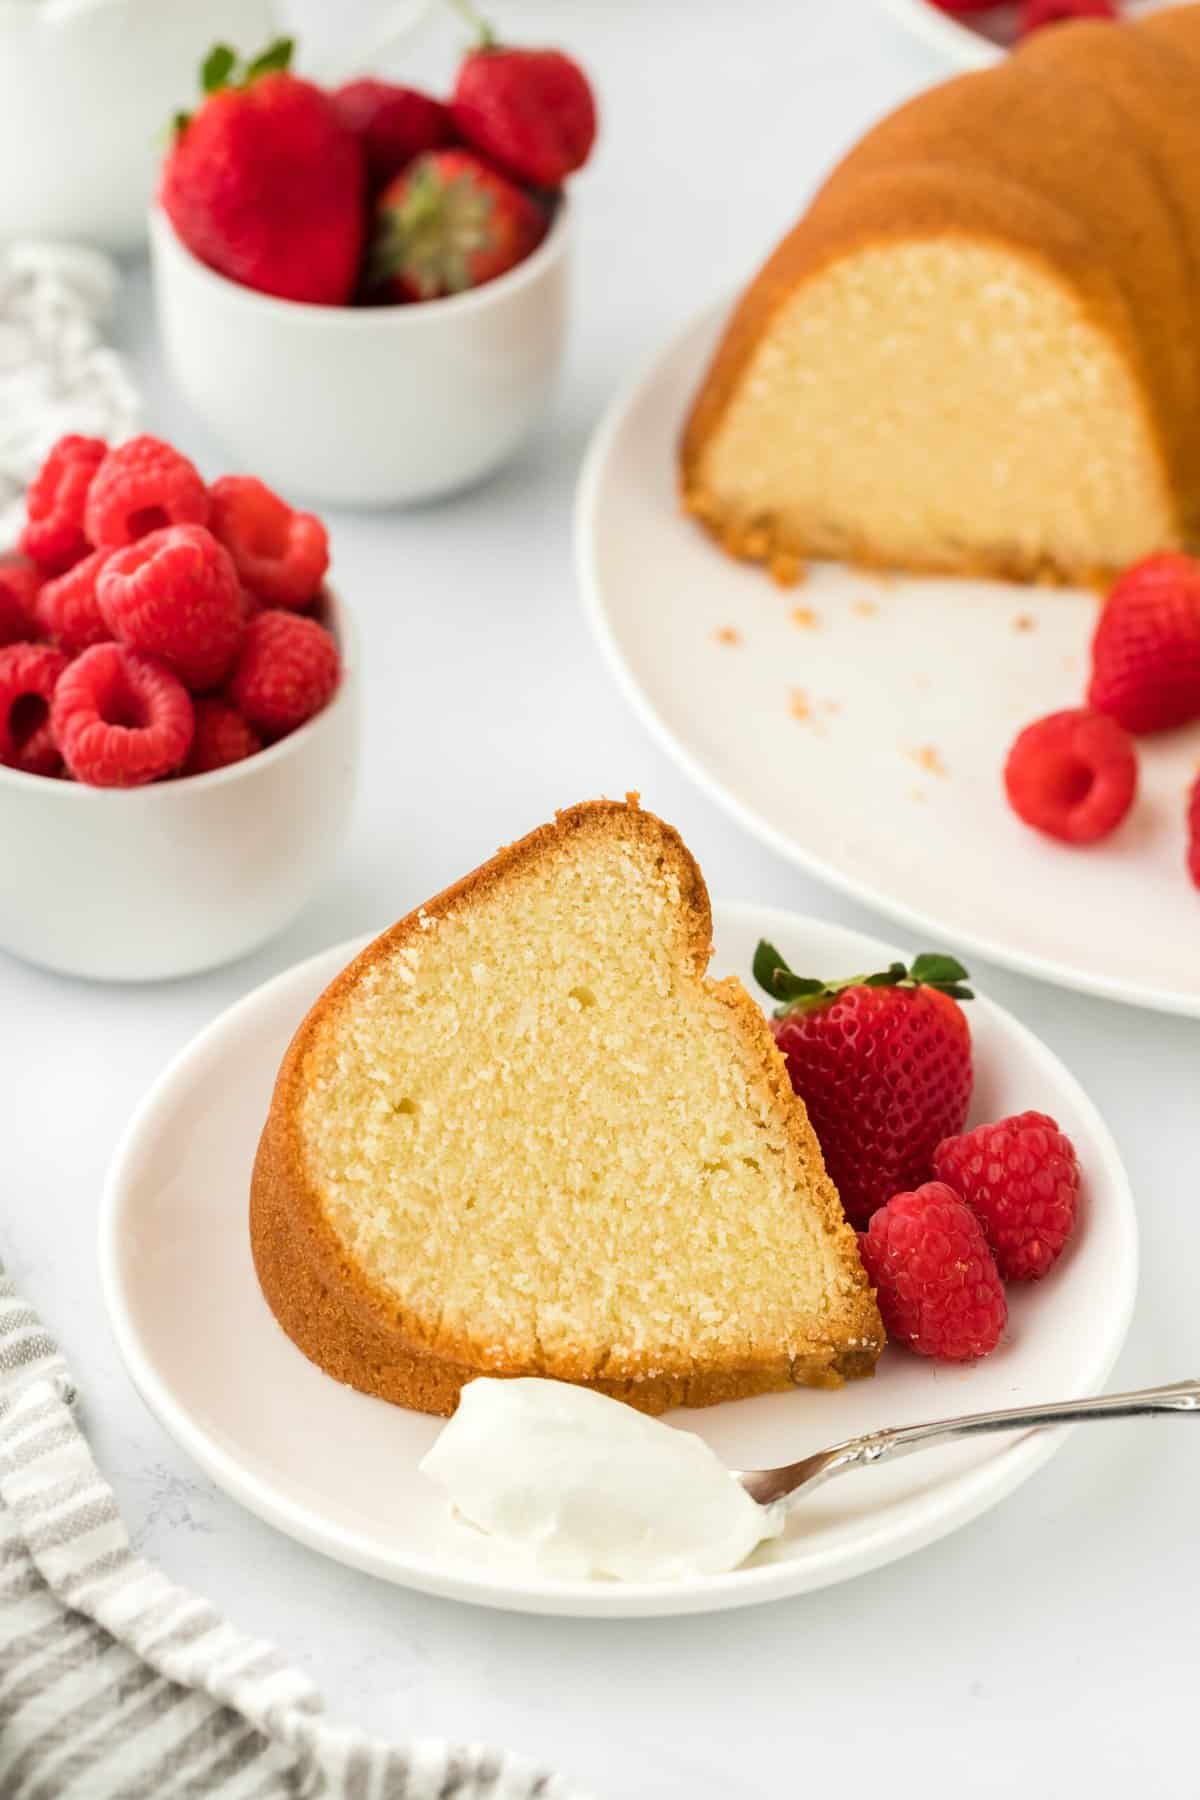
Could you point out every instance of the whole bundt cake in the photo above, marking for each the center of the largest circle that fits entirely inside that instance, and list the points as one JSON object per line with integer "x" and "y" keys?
{"x": 978, "y": 350}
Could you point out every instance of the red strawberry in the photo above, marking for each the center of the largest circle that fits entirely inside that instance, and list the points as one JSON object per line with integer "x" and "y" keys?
{"x": 531, "y": 111}
{"x": 449, "y": 223}
{"x": 1146, "y": 649}
{"x": 393, "y": 124}
{"x": 265, "y": 183}
{"x": 883, "y": 1064}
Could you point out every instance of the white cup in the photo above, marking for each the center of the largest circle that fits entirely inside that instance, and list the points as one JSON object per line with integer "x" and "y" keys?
{"x": 87, "y": 92}
{"x": 142, "y": 884}
{"x": 365, "y": 406}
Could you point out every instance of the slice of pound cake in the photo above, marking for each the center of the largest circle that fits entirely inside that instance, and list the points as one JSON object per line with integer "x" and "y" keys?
{"x": 524, "y": 1134}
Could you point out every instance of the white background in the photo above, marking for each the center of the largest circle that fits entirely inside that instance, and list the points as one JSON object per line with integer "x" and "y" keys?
{"x": 1051, "y": 1644}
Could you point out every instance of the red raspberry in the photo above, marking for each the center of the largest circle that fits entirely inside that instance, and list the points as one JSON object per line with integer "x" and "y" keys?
{"x": 142, "y": 486}
{"x": 1036, "y": 13}
{"x": 393, "y": 124}
{"x": 54, "y": 534}
{"x": 175, "y": 595}
{"x": 1020, "y": 1177}
{"x": 29, "y": 674}
{"x": 287, "y": 671}
{"x": 939, "y": 1289}
{"x": 530, "y": 111}
{"x": 19, "y": 583}
{"x": 1193, "y": 830}
{"x": 280, "y": 555}
{"x": 1146, "y": 647}
{"x": 121, "y": 719}
{"x": 221, "y": 737}
{"x": 67, "y": 611}
{"x": 1072, "y": 775}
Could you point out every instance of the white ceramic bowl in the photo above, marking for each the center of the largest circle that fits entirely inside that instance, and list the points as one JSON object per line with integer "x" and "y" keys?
{"x": 365, "y": 406}
{"x": 87, "y": 88}
{"x": 148, "y": 883}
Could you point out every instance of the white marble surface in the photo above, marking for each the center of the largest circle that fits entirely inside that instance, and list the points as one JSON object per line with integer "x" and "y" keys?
{"x": 1052, "y": 1643}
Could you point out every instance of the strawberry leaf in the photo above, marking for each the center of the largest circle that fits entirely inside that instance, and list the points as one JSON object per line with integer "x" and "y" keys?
{"x": 892, "y": 976}
{"x": 802, "y": 993}
{"x": 933, "y": 970}
{"x": 767, "y": 965}
{"x": 217, "y": 67}
{"x": 276, "y": 56}
{"x": 775, "y": 978}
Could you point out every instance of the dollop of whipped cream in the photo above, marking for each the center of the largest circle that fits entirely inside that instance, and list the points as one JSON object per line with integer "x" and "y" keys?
{"x": 583, "y": 1486}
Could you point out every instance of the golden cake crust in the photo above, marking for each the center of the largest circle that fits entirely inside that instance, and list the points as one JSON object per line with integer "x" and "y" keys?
{"x": 354, "y": 1329}
{"x": 1071, "y": 155}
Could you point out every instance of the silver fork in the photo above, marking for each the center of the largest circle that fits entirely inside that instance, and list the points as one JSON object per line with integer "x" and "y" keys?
{"x": 768, "y": 1486}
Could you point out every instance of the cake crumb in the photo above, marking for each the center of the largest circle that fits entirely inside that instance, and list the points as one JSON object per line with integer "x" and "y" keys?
{"x": 1024, "y": 622}
{"x": 786, "y": 570}
{"x": 727, "y": 634}
{"x": 831, "y": 706}
{"x": 805, "y": 617}
{"x": 865, "y": 609}
{"x": 805, "y": 710}
{"x": 927, "y": 758}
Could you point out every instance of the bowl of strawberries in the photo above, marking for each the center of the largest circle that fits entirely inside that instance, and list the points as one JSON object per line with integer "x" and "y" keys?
{"x": 178, "y": 715}
{"x": 363, "y": 291}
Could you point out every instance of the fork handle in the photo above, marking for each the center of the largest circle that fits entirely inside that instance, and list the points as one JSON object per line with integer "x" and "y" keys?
{"x": 1180, "y": 1396}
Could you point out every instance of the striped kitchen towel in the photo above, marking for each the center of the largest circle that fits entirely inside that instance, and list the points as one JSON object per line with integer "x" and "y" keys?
{"x": 57, "y": 372}
{"x": 117, "y": 1685}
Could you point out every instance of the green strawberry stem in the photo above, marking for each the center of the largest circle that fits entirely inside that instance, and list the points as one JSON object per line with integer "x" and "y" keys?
{"x": 221, "y": 69}
{"x": 804, "y": 993}
{"x": 485, "y": 36}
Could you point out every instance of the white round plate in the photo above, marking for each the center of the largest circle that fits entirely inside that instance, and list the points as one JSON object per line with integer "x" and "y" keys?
{"x": 981, "y": 38}
{"x": 859, "y": 723}
{"x": 339, "y": 1471}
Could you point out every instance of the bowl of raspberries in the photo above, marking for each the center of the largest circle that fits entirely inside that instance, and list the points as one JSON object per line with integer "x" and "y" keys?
{"x": 363, "y": 290}
{"x": 178, "y": 714}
